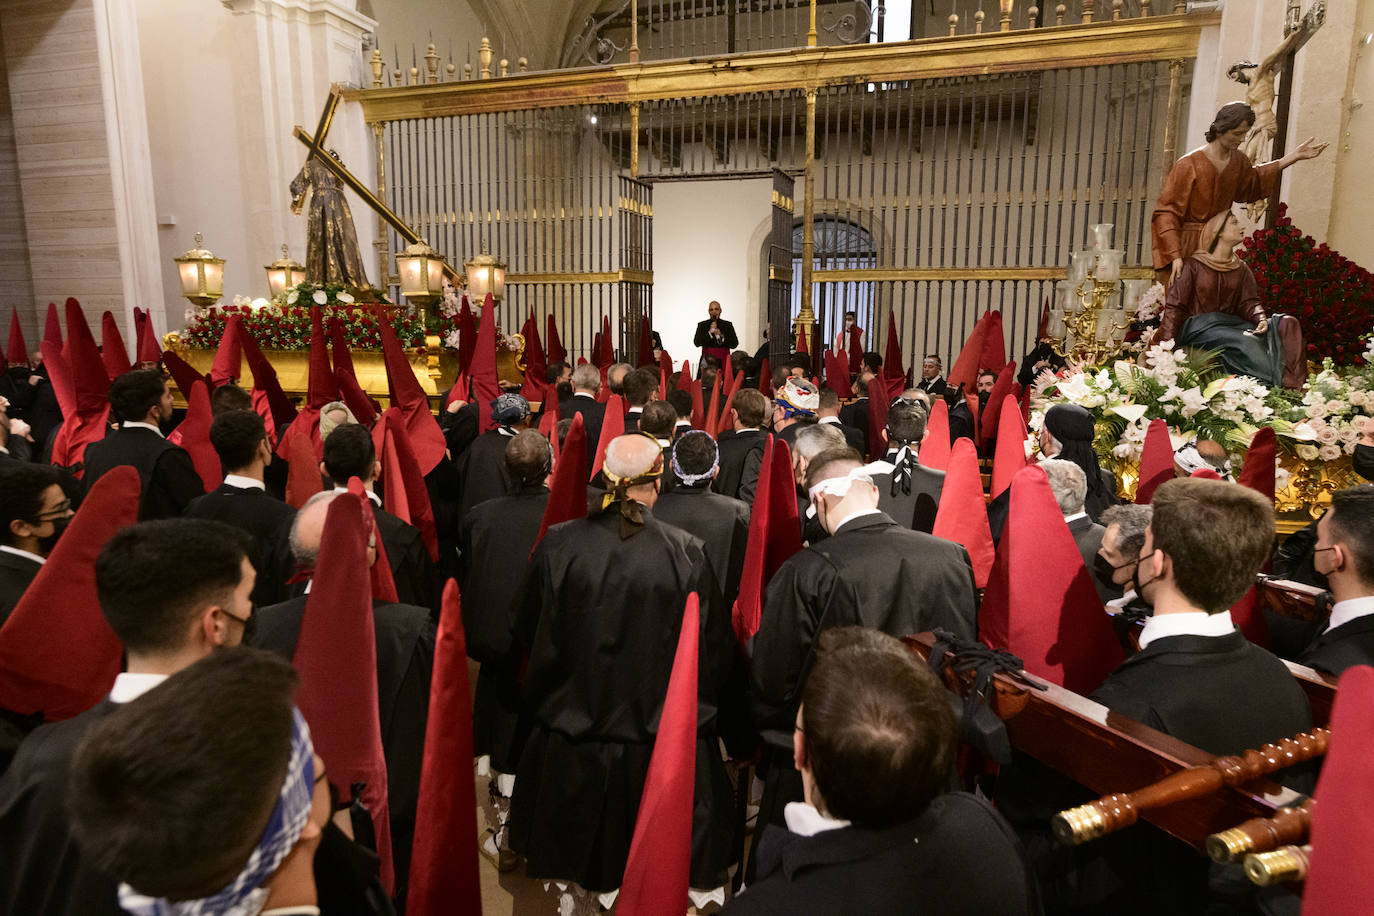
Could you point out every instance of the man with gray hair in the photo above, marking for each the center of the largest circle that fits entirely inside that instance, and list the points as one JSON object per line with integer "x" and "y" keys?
{"x": 586, "y": 381}
{"x": 910, "y": 492}
{"x": 405, "y": 637}
{"x": 1070, "y": 487}
{"x": 618, "y": 578}
{"x": 1114, "y": 567}
{"x": 615, "y": 377}
{"x": 811, "y": 441}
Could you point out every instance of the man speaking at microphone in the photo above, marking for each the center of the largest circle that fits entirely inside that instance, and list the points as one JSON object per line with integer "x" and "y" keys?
{"x": 716, "y": 336}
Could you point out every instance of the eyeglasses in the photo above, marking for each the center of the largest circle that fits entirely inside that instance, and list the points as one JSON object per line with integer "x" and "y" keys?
{"x": 242, "y": 620}
{"x": 58, "y": 511}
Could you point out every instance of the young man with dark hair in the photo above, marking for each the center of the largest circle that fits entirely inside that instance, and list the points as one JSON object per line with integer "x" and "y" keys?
{"x": 140, "y": 400}
{"x": 556, "y": 373}
{"x": 1344, "y": 554}
{"x": 911, "y": 492}
{"x": 640, "y": 387}
{"x": 741, "y": 447}
{"x": 721, "y": 522}
{"x": 682, "y": 407}
{"x": 34, "y": 510}
{"x": 240, "y": 814}
{"x": 173, "y": 592}
{"x": 239, "y": 438}
{"x": 828, "y": 412}
{"x": 229, "y": 397}
{"x": 1196, "y": 677}
{"x": 349, "y": 453}
{"x": 875, "y": 741}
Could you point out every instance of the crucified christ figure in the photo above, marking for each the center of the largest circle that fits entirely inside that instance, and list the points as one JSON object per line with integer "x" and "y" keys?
{"x": 1259, "y": 95}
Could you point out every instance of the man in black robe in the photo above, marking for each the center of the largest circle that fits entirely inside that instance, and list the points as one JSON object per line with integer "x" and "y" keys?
{"x": 34, "y": 511}
{"x": 240, "y": 439}
{"x": 586, "y": 382}
{"x": 869, "y": 572}
{"x": 405, "y": 637}
{"x": 910, "y": 493}
{"x": 722, "y": 523}
{"x": 482, "y": 469}
{"x": 141, "y": 401}
{"x": 1344, "y": 554}
{"x": 349, "y": 452}
{"x": 742, "y": 446}
{"x": 165, "y": 623}
{"x": 495, "y": 541}
{"x": 602, "y": 607}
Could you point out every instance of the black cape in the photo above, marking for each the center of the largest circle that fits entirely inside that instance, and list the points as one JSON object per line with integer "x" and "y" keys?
{"x": 741, "y": 454}
{"x": 267, "y": 520}
{"x": 482, "y": 470}
{"x": 722, "y": 524}
{"x": 600, "y": 618}
{"x": 168, "y": 477}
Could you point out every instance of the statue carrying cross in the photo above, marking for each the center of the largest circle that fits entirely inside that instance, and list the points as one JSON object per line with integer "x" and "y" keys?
{"x": 332, "y": 255}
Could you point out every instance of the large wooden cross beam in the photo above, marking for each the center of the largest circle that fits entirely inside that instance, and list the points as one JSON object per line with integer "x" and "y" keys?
{"x": 1307, "y": 27}
{"x": 315, "y": 144}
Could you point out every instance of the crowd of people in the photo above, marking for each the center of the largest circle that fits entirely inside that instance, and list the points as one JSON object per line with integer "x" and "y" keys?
{"x": 194, "y": 786}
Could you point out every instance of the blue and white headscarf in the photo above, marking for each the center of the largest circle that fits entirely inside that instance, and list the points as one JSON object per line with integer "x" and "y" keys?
{"x": 245, "y": 896}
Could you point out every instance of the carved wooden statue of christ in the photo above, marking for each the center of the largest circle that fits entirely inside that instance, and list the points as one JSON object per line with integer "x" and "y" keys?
{"x": 332, "y": 256}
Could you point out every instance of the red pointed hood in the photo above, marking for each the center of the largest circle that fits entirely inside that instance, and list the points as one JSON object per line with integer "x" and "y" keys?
{"x": 58, "y": 656}
{"x": 568, "y": 489}
{"x": 713, "y": 406}
{"x": 934, "y": 449}
{"x": 548, "y": 427}
{"x": 17, "y": 352}
{"x": 193, "y": 434}
{"x": 606, "y": 354}
{"x": 684, "y": 379}
{"x": 1040, "y": 602}
{"x": 467, "y": 336}
{"x": 855, "y": 348}
{"x": 483, "y": 371}
{"x": 724, "y": 422}
{"x": 555, "y": 351}
{"x": 321, "y": 387}
{"x": 383, "y": 584}
{"x": 426, "y": 438}
{"x": 963, "y": 513}
{"x": 803, "y": 345}
{"x": 878, "y": 398}
{"x": 90, "y": 387}
{"x": 52, "y": 327}
{"x": 660, "y": 857}
{"x": 269, "y": 399}
{"x": 1042, "y": 330}
{"x": 665, "y": 370}
{"x": 229, "y": 356}
{"x": 1258, "y": 471}
{"x": 302, "y": 471}
{"x": 966, "y": 365}
{"x": 784, "y": 522}
{"x": 444, "y": 868}
{"x": 646, "y": 341}
{"x": 407, "y": 498}
{"x": 336, "y": 656}
{"x": 747, "y": 612}
{"x": 612, "y": 425}
{"x": 149, "y": 350}
{"x": 364, "y": 408}
{"x": 837, "y": 374}
{"x": 1339, "y": 881}
{"x": 183, "y": 374}
{"x": 60, "y": 376}
{"x": 1000, "y": 390}
{"x": 994, "y": 344}
{"x": 765, "y": 378}
{"x": 698, "y": 404}
{"x": 112, "y": 350}
{"x": 1010, "y": 456}
{"x": 1156, "y": 461}
{"x": 535, "y": 363}
{"x": 892, "y": 360}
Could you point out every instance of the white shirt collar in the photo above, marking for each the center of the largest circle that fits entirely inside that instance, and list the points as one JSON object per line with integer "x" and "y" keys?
{"x": 664, "y": 443}
{"x": 1341, "y": 611}
{"x": 1190, "y": 623}
{"x": 804, "y": 820}
{"x": 3, "y": 450}
{"x": 634, "y": 410}
{"x": 22, "y": 553}
{"x": 584, "y": 394}
{"x": 370, "y": 495}
{"x": 853, "y": 515}
{"x": 132, "y": 686}
{"x": 834, "y": 420}
{"x": 244, "y": 483}
{"x": 132, "y": 424}
{"x": 1116, "y": 605}
{"x": 1075, "y": 517}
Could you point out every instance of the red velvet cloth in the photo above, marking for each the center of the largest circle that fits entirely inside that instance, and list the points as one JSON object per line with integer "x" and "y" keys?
{"x": 1156, "y": 461}
{"x": 426, "y": 438}
{"x": 612, "y": 425}
{"x": 1258, "y": 471}
{"x": 935, "y": 448}
{"x": 58, "y": 656}
{"x": 747, "y": 612}
{"x": 16, "y": 351}
{"x": 660, "y": 857}
{"x": 364, "y": 408}
{"x": 112, "y": 349}
{"x": 568, "y": 489}
{"x": 1010, "y": 455}
{"x": 963, "y": 513}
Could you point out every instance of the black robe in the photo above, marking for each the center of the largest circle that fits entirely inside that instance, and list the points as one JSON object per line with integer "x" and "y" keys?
{"x": 855, "y": 438}
{"x": 405, "y": 637}
{"x": 1351, "y": 643}
{"x": 411, "y": 565}
{"x": 482, "y": 471}
{"x": 958, "y": 856}
{"x": 495, "y": 539}
{"x": 16, "y": 573}
{"x": 872, "y": 573}
{"x": 593, "y": 414}
{"x": 601, "y": 618}
{"x": 737, "y": 450}
{"x": 459, "y": 427}
{"x": 267, "y": 520}
{"x": 913, "y": 503}
{"x": 722, "y": 524}
{"x": 168, "y": 477}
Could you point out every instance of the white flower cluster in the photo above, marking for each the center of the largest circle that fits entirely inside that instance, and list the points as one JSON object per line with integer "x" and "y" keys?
{"x": 1337, "y": 408}
{"x": 1150, "y": 303}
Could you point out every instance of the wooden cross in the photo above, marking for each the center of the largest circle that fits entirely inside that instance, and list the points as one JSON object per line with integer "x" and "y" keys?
{"x": 318, "y": 152}
{"x": 1307, "y": 27}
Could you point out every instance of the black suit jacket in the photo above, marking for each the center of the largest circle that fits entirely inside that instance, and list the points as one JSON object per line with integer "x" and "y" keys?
{"x": 916, "y": 508}
{"x": 702, "y": 338}
{"x": 958, "y": 856}
{"x": 853, "y": 437}
{"x": 1087, "y": 537}
{"x": 935, "y": 387}
{"x": 593, "y": 413}
{"x": 1220, "y": 693}
{"x": 405, "y": 661}
{"x": 1351, "y": 643}
{"x": 855, "y": 414}
{"x": 721, "y": 522}
{"x": 735, "y": 450}
{"x": 267, "y": 519}
{"x": 169, "y": 478}
{"x": 16, "y": 573}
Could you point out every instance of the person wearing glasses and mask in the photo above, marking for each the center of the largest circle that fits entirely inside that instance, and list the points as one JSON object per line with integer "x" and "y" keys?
{"x": 36, "y": 511}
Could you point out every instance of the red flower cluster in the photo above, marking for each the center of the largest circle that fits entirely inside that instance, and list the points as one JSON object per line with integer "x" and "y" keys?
{"x": 1332, "y": 296}
{"x": 291, "y": 329}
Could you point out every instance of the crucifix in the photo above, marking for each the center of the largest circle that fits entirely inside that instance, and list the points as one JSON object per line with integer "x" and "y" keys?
{"x": 1297, "y": 32}
{"x": 325, "y": 158}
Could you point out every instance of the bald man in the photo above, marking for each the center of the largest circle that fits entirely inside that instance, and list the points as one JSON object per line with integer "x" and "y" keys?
{"x": 599, "y": 618}
{"x": 715, "y": 335}
{"x": 405, "y": 660}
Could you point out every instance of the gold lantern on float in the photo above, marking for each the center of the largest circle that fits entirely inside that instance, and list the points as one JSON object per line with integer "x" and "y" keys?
{"x": 422, "y": 274}
{"x": 284, "y": 273}
{"x": 202, "y": 275}
{"x": 485, "y": 275}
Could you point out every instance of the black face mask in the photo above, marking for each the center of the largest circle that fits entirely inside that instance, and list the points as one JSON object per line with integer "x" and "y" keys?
{"x": 1363, "y": 461}
{"x": 47, "y": 543}
{"x": 1104, "y": 570}
{"x": 1140, "y": 586}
